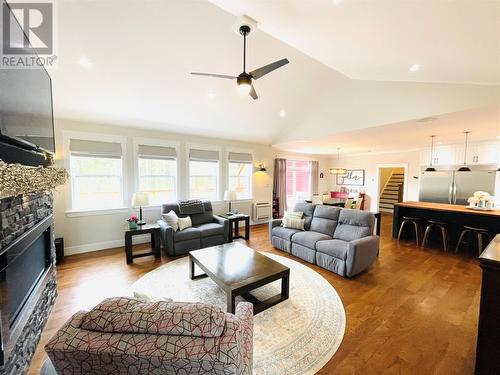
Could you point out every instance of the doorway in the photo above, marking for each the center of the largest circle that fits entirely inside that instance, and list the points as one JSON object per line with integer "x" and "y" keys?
{"x": 391, "y": 187}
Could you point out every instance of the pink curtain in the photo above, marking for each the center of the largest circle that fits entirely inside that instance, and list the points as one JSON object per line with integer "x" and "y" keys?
{"x": 279, "y": 185}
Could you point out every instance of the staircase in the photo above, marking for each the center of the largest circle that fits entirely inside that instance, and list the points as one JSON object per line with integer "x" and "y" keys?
{"x": 391, "y": 193}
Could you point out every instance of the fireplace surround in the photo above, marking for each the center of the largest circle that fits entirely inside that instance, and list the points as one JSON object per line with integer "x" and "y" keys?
{"x": 27, "y": 276}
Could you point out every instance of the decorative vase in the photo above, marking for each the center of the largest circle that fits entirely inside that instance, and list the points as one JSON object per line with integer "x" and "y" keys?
{"x": 481, "y": 204}
{"x": 132, "y": 225}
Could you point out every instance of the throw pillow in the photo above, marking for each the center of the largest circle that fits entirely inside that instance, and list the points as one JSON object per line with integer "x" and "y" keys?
{"x": 291, "y": 214}
{"x": 171, "y": 219}
{"x": 293, "y": 223}
{"x": 185, "y": 222}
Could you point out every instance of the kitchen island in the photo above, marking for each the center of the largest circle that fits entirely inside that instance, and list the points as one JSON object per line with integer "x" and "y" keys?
{"x": 455, "y": 216}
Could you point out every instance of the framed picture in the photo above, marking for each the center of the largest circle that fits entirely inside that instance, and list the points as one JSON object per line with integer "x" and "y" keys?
{"x": 354, "y": 177}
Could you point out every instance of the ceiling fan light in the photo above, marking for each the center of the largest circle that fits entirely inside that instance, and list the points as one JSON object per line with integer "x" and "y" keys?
{"x": 244, "y": 88}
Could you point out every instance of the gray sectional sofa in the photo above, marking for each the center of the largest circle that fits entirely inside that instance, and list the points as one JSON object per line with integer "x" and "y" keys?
{"x": 207, "y": 230}
{"x": 338, "y": 239}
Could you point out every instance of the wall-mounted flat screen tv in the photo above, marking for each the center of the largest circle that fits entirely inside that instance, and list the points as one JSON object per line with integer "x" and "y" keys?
{"x": 26, "y": 114}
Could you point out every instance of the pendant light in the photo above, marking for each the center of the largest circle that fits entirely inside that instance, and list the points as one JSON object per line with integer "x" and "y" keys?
{"x": 465, "y": 168}
{"x": 430, "y": 168}
{"x": 338, "y": 171}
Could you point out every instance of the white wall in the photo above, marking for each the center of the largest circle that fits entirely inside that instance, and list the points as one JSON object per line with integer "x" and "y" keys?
{"x": 100, "y": 230}
{"x": 369, "y": 163}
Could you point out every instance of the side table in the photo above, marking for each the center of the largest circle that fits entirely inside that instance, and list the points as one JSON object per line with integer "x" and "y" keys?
{"x": 154, "y": 230}
{"x": 234, "y": 227}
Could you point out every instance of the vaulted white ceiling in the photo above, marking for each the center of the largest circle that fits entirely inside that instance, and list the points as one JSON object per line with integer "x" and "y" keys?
{"x": 138, "y": 55}
{"x": 452, "y": 41}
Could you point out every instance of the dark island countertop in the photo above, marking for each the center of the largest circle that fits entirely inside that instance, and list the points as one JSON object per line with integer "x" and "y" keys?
{"x": 448, "y": 208}
{"x": 455, "y": 216}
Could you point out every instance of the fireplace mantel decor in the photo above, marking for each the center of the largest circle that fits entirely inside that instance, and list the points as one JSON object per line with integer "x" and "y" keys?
{"x": 17, "y": 179}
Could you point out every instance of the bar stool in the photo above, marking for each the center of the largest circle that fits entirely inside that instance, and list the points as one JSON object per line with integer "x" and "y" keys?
{"x": 479, "y": 232}
{"x": 444, "y": 233}
{"x": 416, "y": 224}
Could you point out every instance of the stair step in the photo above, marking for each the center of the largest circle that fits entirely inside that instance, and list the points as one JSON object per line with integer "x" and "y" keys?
{"x": 388, "y": 200}
{"x": 389, "y": 194}
{"x": 386, "y": 205}
{"x": 382, "y": 209}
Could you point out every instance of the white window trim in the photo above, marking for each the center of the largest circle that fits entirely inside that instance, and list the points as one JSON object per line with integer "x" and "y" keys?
{"x": 207, "y": 147}
{"x": 161, "y": 143}
{"x": 226, "y": 159}
{"x": 67, "y": 136}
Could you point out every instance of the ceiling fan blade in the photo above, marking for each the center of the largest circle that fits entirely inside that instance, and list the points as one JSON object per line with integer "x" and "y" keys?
{"x": 213, "y": 75}
{"x": 257, "y": 73}
{"x": 253, "y": 93}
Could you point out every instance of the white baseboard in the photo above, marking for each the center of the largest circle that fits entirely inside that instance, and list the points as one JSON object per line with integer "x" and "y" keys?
{"x": 95, "y": 246}
{"x": 104, "y": 245}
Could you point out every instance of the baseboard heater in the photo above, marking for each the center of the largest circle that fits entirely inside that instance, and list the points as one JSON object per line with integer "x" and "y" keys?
{"x": 261, "y": 211}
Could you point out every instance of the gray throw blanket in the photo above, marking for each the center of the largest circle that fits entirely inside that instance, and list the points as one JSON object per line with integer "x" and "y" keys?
{"x": 193, "y": 206}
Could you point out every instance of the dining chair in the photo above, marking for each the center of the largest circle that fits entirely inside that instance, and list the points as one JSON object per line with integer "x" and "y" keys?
{"x": 357, "y": 203}
{"x": 349, "y": 203}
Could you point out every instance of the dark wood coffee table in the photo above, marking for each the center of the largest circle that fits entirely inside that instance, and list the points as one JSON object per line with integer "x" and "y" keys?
{"x": 237, "y": 269}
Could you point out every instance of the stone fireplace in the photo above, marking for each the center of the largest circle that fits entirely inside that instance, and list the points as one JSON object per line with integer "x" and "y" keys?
{"x": 28, "y": 286}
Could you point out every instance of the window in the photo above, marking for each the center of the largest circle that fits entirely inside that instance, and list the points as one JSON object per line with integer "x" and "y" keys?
{"x": 96, "y": 175}
{"x": 240, "y": 174}
{"x": 204, "y": 174}
{"x": 158, "y": 173}
{"x": 298, "y": 182}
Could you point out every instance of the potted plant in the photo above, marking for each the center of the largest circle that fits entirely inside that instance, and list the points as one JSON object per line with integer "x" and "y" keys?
{"x": 132, "y": 222}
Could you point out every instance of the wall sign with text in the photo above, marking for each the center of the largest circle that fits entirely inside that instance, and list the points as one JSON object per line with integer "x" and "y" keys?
{"x": 354, "y": 177}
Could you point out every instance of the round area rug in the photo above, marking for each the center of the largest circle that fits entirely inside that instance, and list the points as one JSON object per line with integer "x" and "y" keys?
{"x": 297, "y": 336}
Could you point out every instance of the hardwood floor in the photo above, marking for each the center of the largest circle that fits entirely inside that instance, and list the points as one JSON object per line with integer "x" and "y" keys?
{"x": 414, "y": 311}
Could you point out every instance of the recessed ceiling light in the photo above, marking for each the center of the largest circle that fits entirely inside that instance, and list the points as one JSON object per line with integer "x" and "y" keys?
{"x": 415, "y": 68}
{"x": 282, "y": 113}
{"x": 85, "y": 62}
{"x": 337, "y": 2}
{"x": 439, "y": 143}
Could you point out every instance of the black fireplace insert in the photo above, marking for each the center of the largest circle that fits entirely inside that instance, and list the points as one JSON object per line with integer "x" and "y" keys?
{"x": 25, "y": 267}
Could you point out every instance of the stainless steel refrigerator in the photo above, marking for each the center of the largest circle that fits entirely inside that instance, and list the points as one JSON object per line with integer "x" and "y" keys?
{"x": 453, "y": 186}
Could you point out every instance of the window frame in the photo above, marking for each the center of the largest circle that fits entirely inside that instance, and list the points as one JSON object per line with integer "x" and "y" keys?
{"x": 290, "y": 159}
{"x": 159, "y": 143}
{"x": 252, "y": 167}
{"x": 220, "y": 177}
{"x": 66, "y": 156}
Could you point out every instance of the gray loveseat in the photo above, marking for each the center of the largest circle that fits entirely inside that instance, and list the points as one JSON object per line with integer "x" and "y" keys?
{"x": 207, "y": 230}
{"x": 338, "y": 239}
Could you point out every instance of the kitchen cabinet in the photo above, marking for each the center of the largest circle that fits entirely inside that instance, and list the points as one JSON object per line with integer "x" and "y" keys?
{"x": 479, "y": 153}
{"x": 486, "y": 153}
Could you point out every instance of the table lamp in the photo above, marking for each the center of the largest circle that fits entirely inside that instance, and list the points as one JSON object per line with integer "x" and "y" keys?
{"x": 230, "y": 195}
{"x": 140, "y": 199}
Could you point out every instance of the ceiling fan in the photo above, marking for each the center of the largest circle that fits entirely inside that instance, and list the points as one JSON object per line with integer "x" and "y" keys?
{"x": 244, "y": 80}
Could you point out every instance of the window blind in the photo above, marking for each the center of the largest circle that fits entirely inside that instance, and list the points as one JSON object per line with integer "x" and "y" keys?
{"x": 203, "y": 155}
{"x": 157, "y": 152}
{"x": 95, "y": 148}
{"x": 239, "y": 157}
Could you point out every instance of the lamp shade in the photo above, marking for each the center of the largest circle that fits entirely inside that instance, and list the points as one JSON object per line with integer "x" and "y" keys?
{"x": 230, "y": 195}
{"x": 140, "y": 199}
